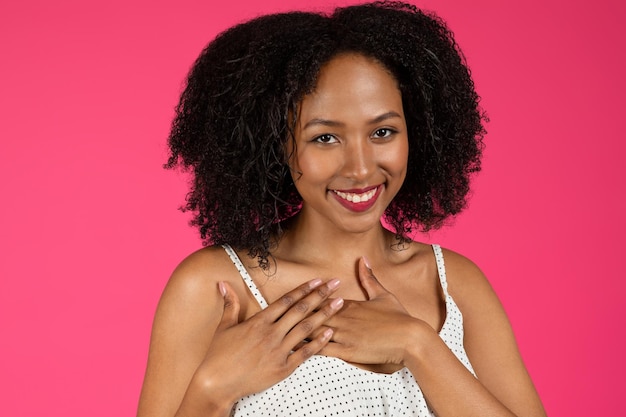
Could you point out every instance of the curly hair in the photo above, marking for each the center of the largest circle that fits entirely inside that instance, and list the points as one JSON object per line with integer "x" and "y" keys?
{"x": 232, "y": 122}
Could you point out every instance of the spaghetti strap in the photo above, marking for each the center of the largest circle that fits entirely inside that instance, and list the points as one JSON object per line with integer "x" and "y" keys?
{"x": 246, "y": 277}
{"x": 441, "y": 269}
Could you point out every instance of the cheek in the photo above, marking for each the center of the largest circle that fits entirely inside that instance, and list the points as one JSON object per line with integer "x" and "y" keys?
{"x": 314, "y": 167}
{"x": 396, "y": 159}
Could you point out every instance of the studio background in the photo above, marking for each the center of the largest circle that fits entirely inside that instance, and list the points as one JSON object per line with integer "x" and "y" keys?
{"x": 89, "y": 227}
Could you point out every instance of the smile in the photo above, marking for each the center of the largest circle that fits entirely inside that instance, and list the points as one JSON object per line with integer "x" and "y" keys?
{"x": 358, "y": 200}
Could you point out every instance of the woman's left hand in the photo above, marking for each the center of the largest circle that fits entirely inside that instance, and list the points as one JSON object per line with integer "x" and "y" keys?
{"x": 376, "y": 331}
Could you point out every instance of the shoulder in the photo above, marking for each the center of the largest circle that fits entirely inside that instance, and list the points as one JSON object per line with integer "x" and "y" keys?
{"x": 201, "y": 267}
{"x": 193, "y": 286}
{"x": 488, "y": 333}
{"x": 192, "y": 292}
{"x": 489, "y": 340}
{"x": 191, "y": 297}
{"x": 464, "y": 277}
{"x": 483, "y": 313}
{"x": 187, "y": 315}
{"x": 198, "y": 273}
{"x": 466, "y": 282}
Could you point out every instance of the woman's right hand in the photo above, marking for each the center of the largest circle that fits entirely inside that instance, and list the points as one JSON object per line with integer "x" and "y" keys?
{"x": 250, "y": 356}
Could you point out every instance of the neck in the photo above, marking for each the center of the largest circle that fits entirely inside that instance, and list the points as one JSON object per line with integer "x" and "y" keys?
{"x": 320, "y": 244}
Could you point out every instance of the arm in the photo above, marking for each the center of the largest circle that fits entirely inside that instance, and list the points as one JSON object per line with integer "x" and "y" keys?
{"x": 202, "y": 359}
{"x": 503, "y": 387}
{"x": 489, "y": 340}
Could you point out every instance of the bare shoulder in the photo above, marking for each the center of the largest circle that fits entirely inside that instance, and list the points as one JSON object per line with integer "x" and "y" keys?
{"x": 200, "y": 266}
{"x": 192, "y": 290}
{"x": 483, "y": 314}
{"x": 489, "y": 340}
{"x": 186, "y": 318}
{"x": 197, "y": 275}
{"x": 191, "y": 304}
{"x": 466, "y": 282}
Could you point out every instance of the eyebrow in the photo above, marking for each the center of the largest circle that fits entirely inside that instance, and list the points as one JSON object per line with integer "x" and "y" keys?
{"x": 334, "y": 123}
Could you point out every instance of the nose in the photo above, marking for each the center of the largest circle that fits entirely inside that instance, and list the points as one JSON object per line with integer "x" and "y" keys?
{"x": 358, "y": 160}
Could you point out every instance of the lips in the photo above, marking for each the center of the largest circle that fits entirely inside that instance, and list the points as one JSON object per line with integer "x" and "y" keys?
{"x": 358, "y": 200}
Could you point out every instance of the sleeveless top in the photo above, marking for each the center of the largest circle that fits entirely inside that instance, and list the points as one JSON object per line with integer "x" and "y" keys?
{"x": 327, "y": 386}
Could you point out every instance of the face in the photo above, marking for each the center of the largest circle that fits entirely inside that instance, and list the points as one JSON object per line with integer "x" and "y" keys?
{"x": 351, "y": 146}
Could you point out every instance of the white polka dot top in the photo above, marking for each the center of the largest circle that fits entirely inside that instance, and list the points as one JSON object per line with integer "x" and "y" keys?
{"x": 326, "y": 386}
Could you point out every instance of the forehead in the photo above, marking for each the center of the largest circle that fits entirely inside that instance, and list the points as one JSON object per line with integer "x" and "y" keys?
{"x": 352, "y": 85}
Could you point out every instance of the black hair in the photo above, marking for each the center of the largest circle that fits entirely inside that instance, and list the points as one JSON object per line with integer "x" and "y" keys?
{"x": 233, "y": 118}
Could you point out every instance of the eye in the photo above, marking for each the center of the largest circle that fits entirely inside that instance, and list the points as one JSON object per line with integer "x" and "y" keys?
{"x": 383, "y": 132}
{"x": 325, "y": 138}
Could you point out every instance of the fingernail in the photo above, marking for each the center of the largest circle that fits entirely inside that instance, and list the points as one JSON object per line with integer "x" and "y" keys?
{"x": 328, "y": 334}
{"x": 367, "y": 262}
{"x": 222, "y": 288}
{"x": 315, "y": 283}
{"x": 332, "y": 284}
{"x": 336, "y": 303}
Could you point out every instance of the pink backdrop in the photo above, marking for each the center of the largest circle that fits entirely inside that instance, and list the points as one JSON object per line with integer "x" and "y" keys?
{"x": 90, "y": 232}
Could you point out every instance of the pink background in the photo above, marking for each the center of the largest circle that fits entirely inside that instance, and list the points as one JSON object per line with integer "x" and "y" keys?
{"x": 89, "y": 227}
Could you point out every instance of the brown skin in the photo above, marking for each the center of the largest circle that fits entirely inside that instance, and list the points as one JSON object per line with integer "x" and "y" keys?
{"x": 211, "y": 343}
{"x": 195, "y": 331}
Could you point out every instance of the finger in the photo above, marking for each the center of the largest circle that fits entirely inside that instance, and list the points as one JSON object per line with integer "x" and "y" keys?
{"x": 275, "y": 310}
{"x": 230, "y": 315}
{"x": 317, "y": 332}
{"x": 368, "y": 280}
{"x": 336, "y": 350}
{"x": 309, "y": 349}
{"x": 307, "y": 328}
{"x": 305, "y": 307}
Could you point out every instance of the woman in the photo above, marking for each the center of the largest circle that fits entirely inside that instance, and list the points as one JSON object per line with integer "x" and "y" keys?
{"x": 303, "y": 131}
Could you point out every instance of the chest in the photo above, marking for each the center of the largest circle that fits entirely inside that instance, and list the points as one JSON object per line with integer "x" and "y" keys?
{"x": 417, "y": 287}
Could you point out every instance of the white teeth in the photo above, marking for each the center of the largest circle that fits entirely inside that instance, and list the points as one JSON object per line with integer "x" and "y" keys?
{"x": 357, "y": 198}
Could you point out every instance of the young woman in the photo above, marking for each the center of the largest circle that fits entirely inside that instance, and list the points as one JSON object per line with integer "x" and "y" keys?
{"x": 302, "y": 131}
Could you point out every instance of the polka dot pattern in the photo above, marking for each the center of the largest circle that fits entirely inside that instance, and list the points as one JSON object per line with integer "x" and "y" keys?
{"x": 246, "y": 277}
{"x": 326, "y": 386}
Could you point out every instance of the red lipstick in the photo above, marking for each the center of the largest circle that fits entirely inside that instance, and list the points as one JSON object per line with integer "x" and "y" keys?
{"x": 344, "y": 197}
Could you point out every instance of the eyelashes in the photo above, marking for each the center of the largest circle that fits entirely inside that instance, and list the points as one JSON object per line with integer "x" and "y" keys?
{"x": 381, "y": 133}
{"x": 325, "y": 138}
{"x": 384, "y": 132}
